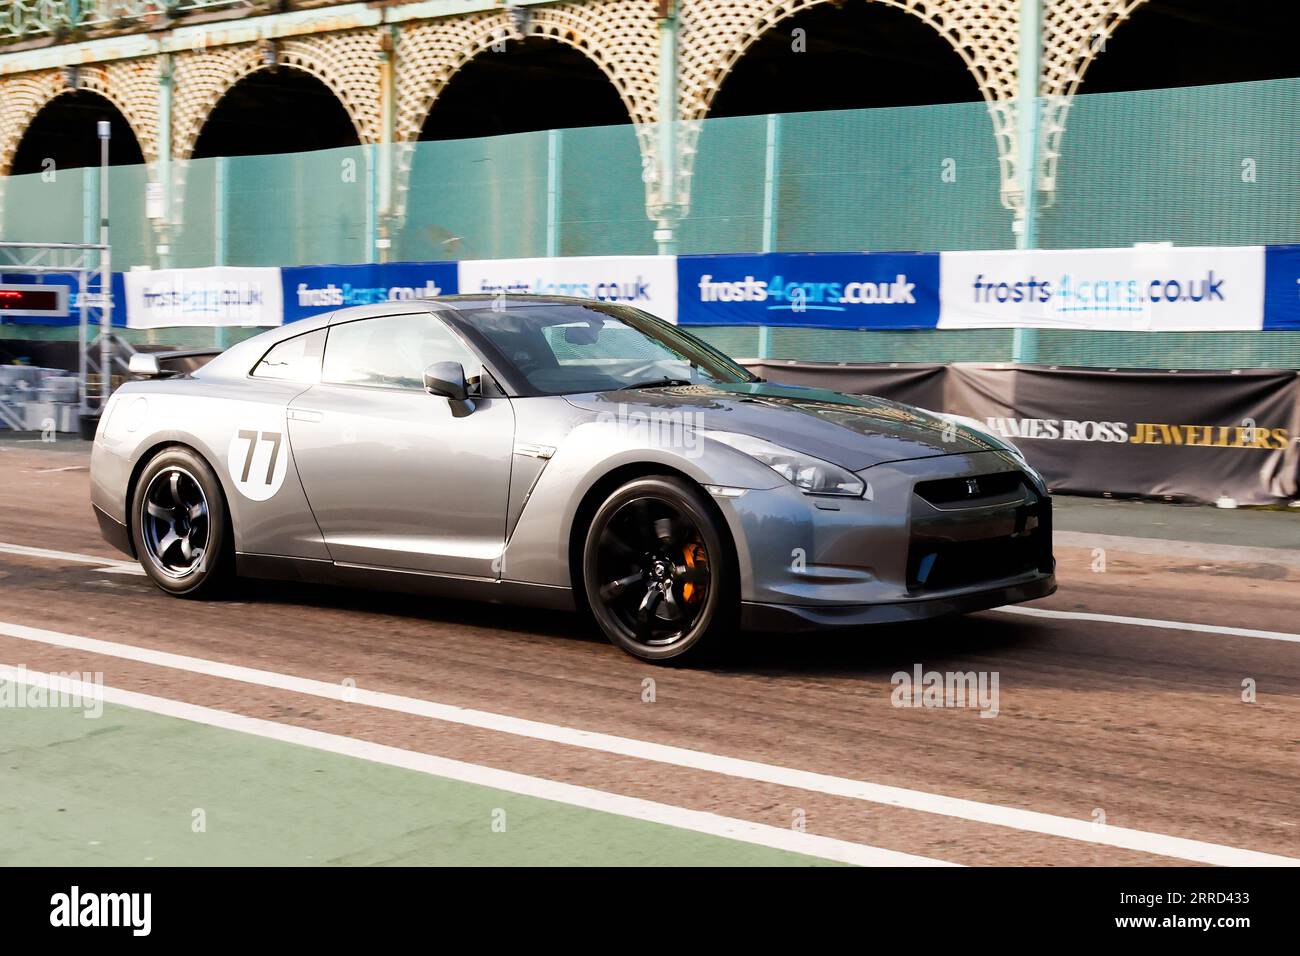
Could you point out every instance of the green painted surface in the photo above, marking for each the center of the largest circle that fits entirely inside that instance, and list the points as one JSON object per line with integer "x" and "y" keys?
{"x": 123, "y": 789}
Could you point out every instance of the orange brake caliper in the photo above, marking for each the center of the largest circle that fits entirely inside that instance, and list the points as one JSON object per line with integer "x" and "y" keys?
{"x": 695, "y": 555}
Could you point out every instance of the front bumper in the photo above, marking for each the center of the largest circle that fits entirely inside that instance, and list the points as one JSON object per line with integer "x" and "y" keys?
{"x": 796, "y": 618}
{"x": 934, "y": 536}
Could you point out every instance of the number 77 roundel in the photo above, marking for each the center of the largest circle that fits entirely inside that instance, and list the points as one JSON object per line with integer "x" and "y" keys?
{"x": 257, "y": 462}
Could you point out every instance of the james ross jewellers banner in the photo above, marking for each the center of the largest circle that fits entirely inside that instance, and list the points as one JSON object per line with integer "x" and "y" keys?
{"x": 1194, "y": 435}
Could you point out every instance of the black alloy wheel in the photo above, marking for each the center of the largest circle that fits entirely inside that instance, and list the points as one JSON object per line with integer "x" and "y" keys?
{"x": 657, "y": 577}
{"x": 178, "y": 524}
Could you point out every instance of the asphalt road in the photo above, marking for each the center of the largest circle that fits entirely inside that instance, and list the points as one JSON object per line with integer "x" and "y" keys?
{"x": 1109, "y": 741}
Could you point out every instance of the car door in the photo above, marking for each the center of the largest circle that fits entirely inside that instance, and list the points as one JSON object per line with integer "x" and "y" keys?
{"x": 397, "y": 477}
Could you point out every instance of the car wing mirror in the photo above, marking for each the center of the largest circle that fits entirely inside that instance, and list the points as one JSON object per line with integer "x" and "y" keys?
{"x": 446, "y": 379}
{"x": 144, "y": 364}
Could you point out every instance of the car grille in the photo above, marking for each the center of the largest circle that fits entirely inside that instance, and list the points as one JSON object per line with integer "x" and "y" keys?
{"x": 964, "y": 535}
{"x": 949, "y": 491}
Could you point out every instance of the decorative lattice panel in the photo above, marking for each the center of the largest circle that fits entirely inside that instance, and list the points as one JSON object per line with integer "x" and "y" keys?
{"x": 21, "y": 98}
{"x": 620, "y": 37}
{"x": 348, "y": 63}
{"x": 130, "y": 85}
{"x": 1074, "y": 34}
{"x": 716, "y": 33}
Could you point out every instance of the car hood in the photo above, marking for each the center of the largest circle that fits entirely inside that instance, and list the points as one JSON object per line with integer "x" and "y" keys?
{"x": 853, "y": 431}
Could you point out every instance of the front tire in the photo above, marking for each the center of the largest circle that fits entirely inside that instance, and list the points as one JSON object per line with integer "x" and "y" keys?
{"x": 658, "y": 573}
{"x": 179, "y": 525}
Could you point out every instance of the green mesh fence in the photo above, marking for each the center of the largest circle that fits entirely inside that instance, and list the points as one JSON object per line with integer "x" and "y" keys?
{"x": 1198, "y": 165}
{"x": 1202, "y": 165}
{"x": 917, "y": 178}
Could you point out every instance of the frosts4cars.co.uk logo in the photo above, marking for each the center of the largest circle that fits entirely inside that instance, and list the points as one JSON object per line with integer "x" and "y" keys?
{"x": 849, "y": 290}
{"x": 1138, "y": 289}
{"x": 780, "y": 294}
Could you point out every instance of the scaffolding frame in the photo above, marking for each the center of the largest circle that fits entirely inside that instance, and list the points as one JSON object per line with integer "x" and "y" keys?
{"x": 91, "y": 263}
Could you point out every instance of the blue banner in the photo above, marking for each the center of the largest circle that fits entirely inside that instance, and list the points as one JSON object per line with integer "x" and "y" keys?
{"x": 867, "y": 290}
{"x": 1217, "y": 289}
{"x": 69, "y": 281}
{"x": 1282, "y": 288}
{"x": 310, "y": 290}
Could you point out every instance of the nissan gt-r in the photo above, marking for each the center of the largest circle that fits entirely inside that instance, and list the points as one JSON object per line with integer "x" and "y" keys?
{"x": 562, "y": 453}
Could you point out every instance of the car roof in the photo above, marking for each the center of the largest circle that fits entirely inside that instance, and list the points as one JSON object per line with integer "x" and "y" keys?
{"x": 236, "y": 361}
{"x": 510, "y": 298}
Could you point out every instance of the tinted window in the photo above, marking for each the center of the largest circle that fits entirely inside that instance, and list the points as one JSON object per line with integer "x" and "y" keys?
{"x": 564, "y": 348}
{"x": 392, "y": 351}
{"x": 295, "y": 360}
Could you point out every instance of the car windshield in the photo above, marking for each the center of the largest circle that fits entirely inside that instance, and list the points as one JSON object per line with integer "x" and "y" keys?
{"x": 565, "y": 348}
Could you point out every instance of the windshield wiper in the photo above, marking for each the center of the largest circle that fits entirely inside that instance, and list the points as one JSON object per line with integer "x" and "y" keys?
{"x": 654, "y": 383}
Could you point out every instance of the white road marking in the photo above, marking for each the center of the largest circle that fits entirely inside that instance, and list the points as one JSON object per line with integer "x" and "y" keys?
{"x": 108, "y": 565}
{"x": 1205, "y": 552}
{"x": 1014, "y": 818}
{"x": 698, "y": 821}
{"x": 1150, "y": 622}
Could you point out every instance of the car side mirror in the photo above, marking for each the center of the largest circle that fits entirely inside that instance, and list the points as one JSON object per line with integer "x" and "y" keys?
{"x": 446, "y": 379}
{"x": 144, "y": 364}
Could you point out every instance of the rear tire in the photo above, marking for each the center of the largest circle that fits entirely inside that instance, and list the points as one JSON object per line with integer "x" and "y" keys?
{"x": 179, "y": 525}
{"x": 658, "y": 572}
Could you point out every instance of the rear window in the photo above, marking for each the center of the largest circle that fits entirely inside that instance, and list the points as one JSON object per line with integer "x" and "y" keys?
{"x": 294, "y": 360}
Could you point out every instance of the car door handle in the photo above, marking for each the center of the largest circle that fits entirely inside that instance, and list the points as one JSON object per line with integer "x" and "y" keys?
{"x": 305, "y": 415}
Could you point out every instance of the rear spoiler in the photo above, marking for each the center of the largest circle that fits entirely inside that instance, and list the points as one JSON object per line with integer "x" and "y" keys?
{"x": 164, "y": 364}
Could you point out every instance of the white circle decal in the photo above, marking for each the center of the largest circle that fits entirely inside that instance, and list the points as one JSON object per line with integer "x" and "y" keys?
{"x": 258, "y": 460}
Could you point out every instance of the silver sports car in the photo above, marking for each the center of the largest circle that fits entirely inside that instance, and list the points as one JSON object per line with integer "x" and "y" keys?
{"x": 562, "y": 453}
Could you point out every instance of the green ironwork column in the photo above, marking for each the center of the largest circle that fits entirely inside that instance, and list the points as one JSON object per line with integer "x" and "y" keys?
{"x": 1024, "y": 346}
{"x": 165, "y": 159}
{"x": 665, "y": 227}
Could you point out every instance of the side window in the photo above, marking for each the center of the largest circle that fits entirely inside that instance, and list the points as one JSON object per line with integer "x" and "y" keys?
{"x": 392, "y": 351}
{"x": 295, "y": 360}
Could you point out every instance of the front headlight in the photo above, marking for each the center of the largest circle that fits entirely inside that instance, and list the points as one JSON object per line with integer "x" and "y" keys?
{"x": 811, "y": 475}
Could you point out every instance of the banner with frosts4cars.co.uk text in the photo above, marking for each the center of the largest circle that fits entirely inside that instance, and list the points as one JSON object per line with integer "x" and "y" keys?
{"x": 1146, "y": 288}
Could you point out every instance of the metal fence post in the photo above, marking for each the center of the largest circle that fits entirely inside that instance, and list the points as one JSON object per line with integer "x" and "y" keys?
{"x": 554, "y": 154}
{"x": 105, "y": 131}
{"x": 771, "y": 203}
{"x": 219, "y": 239}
